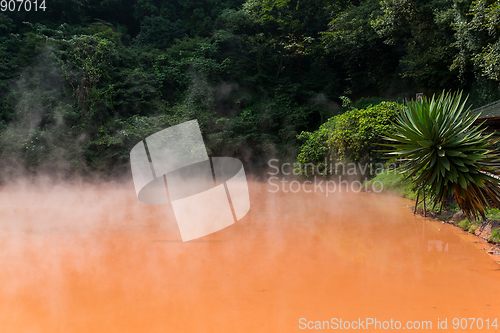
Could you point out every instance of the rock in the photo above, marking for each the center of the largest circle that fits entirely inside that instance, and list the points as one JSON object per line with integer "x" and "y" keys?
{"x": 458, "y": 216}
{"x": 445, "y": 216}
{"x": 484, "y": 229}
{"x": 495, "y": 250}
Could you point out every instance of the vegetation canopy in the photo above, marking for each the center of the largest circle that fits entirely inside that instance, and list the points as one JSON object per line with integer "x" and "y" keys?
{"x": 92, "y": 77}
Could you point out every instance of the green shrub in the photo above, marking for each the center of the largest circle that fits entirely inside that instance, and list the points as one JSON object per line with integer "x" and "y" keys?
{"x": 493, "y": 214}
{"x": 315, "y": 149}
{"x": 472, "y": 228}
{"x": 465, "y": 224}
{"x": 495, "y": 236}
{"x": 356, "y": 133}
{"x": 353, "y": 136}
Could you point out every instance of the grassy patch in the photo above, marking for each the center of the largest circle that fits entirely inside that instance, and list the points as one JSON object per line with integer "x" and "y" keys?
{"x": 465, "y": 224}
{"x": 473, "y": 228}
{"x": 453, "y": 208}
{"x": 495, "y": 236}
{"x": 493, "y": 214}
{"x": 395, "y": 183}
{"x": 429, "y": 207}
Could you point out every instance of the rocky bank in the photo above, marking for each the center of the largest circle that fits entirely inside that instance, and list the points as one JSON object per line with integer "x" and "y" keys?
{"x": 483, "y": 230}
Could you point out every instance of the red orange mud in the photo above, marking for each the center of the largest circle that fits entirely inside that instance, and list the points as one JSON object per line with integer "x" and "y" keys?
{"x": 94, "y": 259}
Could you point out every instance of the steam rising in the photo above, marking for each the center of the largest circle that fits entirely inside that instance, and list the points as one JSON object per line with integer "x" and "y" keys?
{"x": 86, "y": 257}
{"x": 38, "y": 140}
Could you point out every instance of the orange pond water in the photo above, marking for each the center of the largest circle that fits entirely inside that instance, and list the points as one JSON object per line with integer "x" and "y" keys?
{"x": 94, "y": 259}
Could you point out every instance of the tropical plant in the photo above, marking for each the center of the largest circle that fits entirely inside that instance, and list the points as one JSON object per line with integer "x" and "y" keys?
{"x": 444, "y": 152}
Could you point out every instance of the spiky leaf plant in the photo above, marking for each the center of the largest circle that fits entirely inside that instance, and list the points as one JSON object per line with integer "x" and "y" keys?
{"x": 443, "y": 151}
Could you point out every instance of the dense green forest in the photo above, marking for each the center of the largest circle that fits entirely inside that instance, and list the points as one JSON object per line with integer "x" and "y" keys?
{"x": 83, "y": 81}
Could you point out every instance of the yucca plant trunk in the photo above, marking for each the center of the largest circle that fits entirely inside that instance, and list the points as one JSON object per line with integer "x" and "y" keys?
{"x": 416, "y": 203}
{"x": 423, "y": 193}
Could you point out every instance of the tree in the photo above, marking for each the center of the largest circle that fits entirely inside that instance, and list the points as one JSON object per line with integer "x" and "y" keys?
{"x": 422, "y": 28}
{"x": 477, "y": 35}
{"x": 365, "y": 60}
{"x": 444, "y": 153}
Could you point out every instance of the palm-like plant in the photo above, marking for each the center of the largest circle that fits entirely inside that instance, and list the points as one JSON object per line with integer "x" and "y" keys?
{"x": 442, "y": 150}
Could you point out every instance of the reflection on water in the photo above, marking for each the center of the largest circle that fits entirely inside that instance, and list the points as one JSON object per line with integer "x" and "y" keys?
{"x": 433, "y": 245}
{"x": 94, "y": 259}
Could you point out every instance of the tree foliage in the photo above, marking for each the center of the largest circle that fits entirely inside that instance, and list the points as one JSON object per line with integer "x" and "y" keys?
{"x": 255, "y": 73}
{"x": 353, "y": 136}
